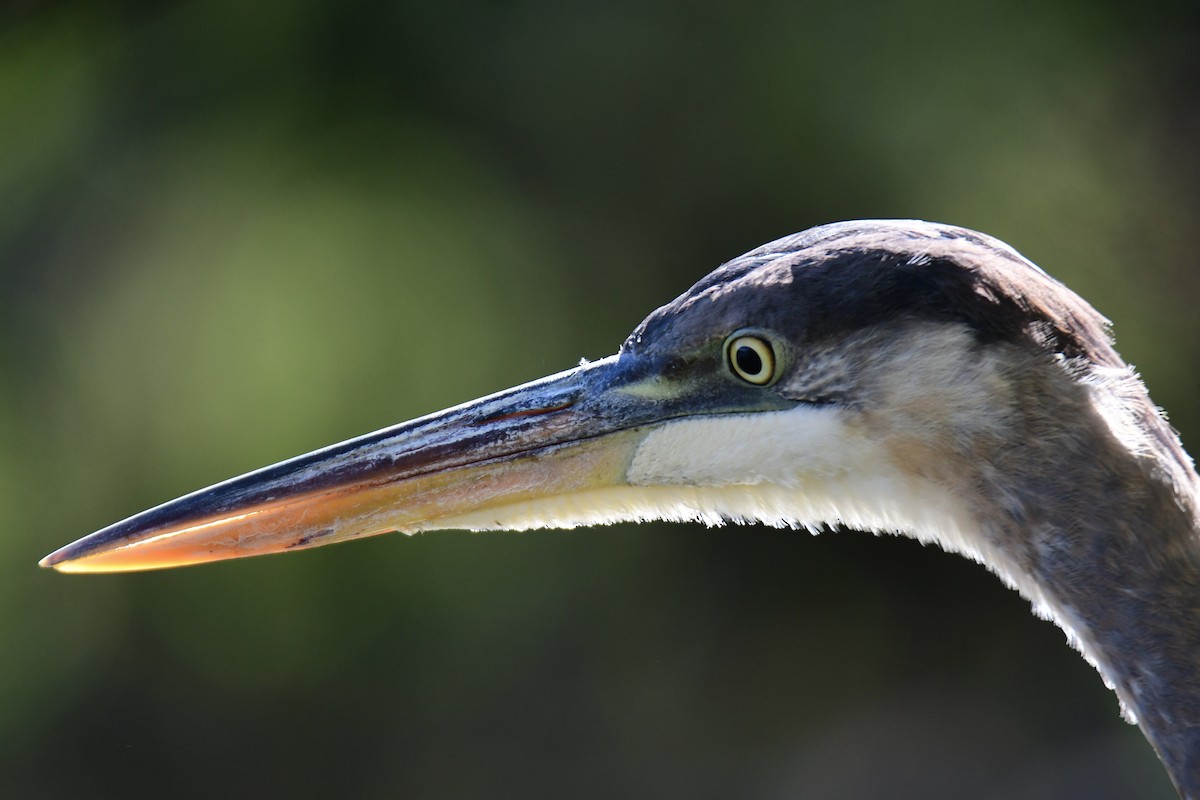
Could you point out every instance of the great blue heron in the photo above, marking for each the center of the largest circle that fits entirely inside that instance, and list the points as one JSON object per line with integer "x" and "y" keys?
{"x": 894, "y": 376}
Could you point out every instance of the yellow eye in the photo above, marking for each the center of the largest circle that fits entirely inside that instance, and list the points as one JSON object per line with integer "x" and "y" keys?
{"x": 751, "y": 358}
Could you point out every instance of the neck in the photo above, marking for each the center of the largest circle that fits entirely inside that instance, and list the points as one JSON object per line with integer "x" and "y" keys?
{"x": 1110, "y": 550}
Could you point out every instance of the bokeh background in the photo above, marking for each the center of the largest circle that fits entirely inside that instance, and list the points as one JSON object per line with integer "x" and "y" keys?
{"x": 232, "y": 232}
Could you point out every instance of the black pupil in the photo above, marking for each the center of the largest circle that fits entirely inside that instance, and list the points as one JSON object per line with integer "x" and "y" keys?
{"x": 748, "y": 360}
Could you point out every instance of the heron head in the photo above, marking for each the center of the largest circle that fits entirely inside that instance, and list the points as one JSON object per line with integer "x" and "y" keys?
{"x": 829, "y": 376}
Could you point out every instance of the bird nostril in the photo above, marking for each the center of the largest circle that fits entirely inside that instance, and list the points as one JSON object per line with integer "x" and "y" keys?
{"x": 525, "y": 412}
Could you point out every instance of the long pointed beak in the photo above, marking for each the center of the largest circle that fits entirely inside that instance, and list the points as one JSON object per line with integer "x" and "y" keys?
{"x": 466, "y": 467}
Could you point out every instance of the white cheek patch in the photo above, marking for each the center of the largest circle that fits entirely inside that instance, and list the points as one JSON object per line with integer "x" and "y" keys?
{"x": 771, "y": 446}
{"x": 804, "y": 467}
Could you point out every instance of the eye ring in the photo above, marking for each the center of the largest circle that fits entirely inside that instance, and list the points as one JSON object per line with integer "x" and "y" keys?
{"x": 751, "y": 357}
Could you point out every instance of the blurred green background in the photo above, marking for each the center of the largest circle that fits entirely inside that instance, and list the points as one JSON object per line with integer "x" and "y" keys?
{"x": 233, "y": 232}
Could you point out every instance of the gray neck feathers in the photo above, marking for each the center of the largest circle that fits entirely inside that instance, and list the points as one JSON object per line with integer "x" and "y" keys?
{"x": 1096, "y": 505}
